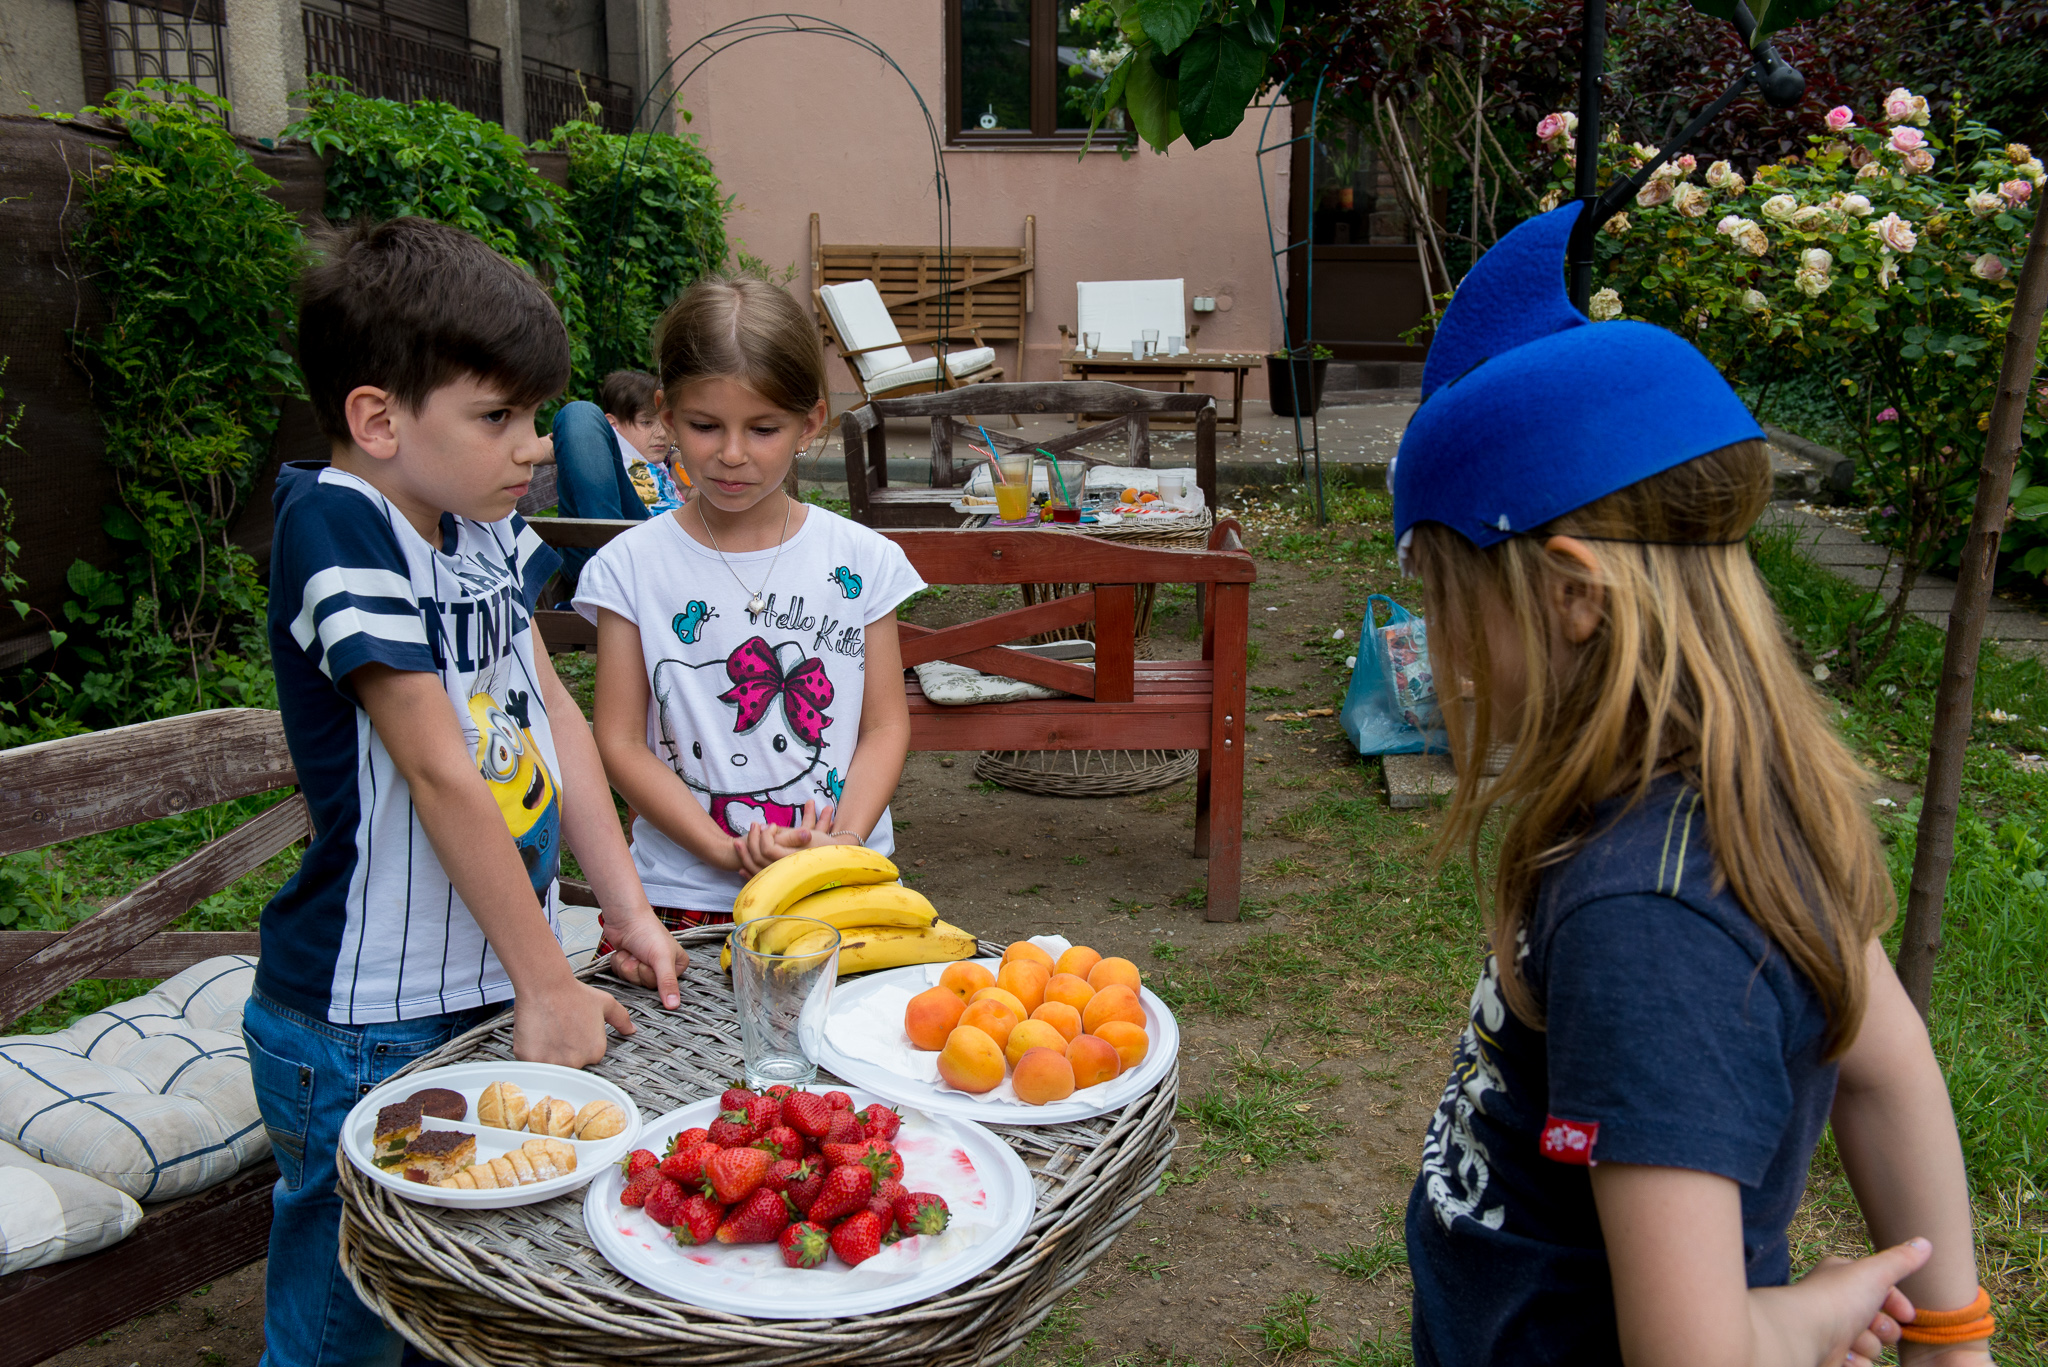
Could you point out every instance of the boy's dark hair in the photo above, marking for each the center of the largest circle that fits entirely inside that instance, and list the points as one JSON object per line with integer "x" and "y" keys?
{"x": 628, "y": 394}
{"x": 411, "y": 305}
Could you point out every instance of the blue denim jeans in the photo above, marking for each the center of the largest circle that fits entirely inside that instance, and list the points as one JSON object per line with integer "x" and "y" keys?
{"x": 309, "y": 1074}
{"x": 590, "y": 476}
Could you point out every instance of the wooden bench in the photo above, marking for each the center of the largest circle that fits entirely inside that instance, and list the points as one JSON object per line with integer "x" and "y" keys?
{"x": 86, "y": 785}
{"x": 1122, "y": 703}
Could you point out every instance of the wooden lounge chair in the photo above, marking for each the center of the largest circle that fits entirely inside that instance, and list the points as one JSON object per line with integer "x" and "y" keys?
{"x": 858, "y": 324}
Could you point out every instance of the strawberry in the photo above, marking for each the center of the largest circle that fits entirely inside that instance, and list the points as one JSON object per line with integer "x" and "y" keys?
{"x": 920, "y": 1212}
{"x": 665, "y": 1203}
{"x": 805, "y": 1184}
{"x": 845, "y": 1189}
{"x": 883, "y": 1211}
{"x": 781, "y": 1142}
{"x": 729, "y": 1131}
{"x": 858, "y": 1238}
{"x": 734, "y": 1099}
{"x": 637, "y": 1162}
{"x": 838, "y": 1101}
{"x": 841, "y": 1127}
{"x": 698, "y": 1220}
{"x": 764, "y": 1113}
{"x": 687, "y": 1165}
{"x": 639, "y": 1186}
{"x": 875, "y": 1155}
{"x": 780, "y": 1173}
{"x": 889, "y": 1189}
{"x": 881, "y": 1122}
{"x": 807, "y": 1114}
{"x": 804, "y": 1244}
{"x": 756, "y": 1220}
{"x": 688, "y": 1139}
{"x": 781, "y": 1091}
{"x": 733, "y": 1174}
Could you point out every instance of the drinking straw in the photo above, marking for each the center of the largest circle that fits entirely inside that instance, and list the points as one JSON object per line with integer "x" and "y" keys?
{"x": 1058, "y": 476}
{"x": 995, "y": 463}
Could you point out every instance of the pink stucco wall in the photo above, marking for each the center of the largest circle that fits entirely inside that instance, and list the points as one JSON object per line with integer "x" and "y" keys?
{"x": 798, "y": 124}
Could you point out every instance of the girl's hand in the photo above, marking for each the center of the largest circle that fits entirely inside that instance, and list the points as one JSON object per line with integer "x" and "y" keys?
{"x": 1853, "y": 1307}
{"x": 645, "y": 954}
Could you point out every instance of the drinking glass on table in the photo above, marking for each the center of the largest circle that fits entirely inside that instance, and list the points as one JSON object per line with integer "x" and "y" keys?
{"x": 1151, "y": 336}
{"x": 1174, "y": 345}
{"x": 1090, "y": 342}
{"x": 1013, "y": 490}
{"x": 782, "y": 995}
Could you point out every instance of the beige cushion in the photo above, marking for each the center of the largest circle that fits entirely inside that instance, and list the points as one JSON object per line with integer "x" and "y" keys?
{"x": 48, "y": 1214}
{"x": 1121, "y": 310}
{"x": 862, "y": 320}
{"x": 958, "y": 363}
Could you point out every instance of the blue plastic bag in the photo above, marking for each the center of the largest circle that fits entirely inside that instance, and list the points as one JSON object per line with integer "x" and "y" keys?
{"x": 1391, "y": 706}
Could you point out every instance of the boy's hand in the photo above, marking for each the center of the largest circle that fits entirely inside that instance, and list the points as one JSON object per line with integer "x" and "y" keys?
{"x": 645, "y": 954}
{"x": 565, "y": 1024}
{"x": 763, "y": 844}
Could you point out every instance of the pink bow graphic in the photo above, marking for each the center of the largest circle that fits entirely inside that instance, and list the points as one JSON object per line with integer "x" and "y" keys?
{"x": 757, "y": 677}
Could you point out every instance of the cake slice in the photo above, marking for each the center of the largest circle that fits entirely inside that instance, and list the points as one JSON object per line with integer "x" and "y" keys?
{"x": 396, "y": 1127}
{"x": 435, "y": 1154}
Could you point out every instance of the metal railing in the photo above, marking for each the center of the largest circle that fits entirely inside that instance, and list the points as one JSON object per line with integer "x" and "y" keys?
{"x": 555, "y": 95}
{"x": 391, "y": 58}
{"x": 179, "y": 40}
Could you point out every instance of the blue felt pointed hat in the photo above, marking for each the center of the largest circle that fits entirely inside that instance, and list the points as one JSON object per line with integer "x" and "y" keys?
{"x": 1530, "y": 409}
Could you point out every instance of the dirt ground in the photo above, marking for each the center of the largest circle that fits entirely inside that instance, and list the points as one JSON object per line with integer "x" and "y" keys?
{"x": 1313, "y": 1051}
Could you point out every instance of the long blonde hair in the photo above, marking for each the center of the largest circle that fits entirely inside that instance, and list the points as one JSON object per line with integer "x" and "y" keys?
{"x": 1687, "y": 671}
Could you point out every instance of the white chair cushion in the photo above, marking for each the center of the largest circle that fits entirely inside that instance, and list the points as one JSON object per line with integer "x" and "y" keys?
{"x": 862, "y": 320}
{"x": 951, "y": 685}
{"x": 48, "y": 1214}
{"x": 581, "y": 934}
{"x": 958, "y": 363}
{"x": 151, "y": 1096}
{"x": 1121, "y": 310}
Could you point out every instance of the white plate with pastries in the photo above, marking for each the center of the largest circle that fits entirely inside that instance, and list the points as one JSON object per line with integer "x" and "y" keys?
{"x": 527, "y": 1132}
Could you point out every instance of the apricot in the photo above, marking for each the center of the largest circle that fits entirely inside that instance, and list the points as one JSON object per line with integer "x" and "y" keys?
{"x": 1060, "y": 1017}
{"x": 1130, "y": 1041}
{"x": 966, "y": 978}
{"x": 971, "y": 1060}
{"x": 1000, "y": 994}
{"x": 1032, "y": 1035}
{"x": 1025, "y": 980}
{"x": 1024, "y": 949}
{"x": 931, "y": 1016}
{"x": 1113, "y": 1003}
{"x": 1110, "y": 972}
{"x": 1077, "y": 961}
{"x": 991, "y": 1018}
{"x": 1068, "y": 988}
{"x": 1094, "y": 1060}
{"x": 1043, "y": 1076}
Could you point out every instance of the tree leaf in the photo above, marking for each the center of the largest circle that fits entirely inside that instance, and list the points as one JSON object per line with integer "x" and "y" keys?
{"x": 1167, "y": 22}
{"x": 1771, "y": 15}
{"x": 1220, "y": 71}
{"x": 1151, "y": 100}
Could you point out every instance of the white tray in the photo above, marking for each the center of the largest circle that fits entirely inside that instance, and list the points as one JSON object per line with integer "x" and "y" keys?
{"x": 985, "y": 1185}
{"x": 863, "y": 1042}
{"x": 359, "y": 1133}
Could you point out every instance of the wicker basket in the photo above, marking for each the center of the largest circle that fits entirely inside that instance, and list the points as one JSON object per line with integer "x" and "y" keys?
{"x": 1086, "y": 773}
{"x": 488, "y": 1288}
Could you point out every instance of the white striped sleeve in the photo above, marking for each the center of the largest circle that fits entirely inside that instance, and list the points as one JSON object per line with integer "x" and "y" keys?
{"x": 356, "y": 600}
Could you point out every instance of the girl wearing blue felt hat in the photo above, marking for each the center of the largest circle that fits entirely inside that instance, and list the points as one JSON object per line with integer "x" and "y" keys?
{"x": 1685, "y": 985}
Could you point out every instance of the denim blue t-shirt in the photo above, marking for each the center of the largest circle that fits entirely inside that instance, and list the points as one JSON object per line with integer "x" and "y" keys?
{"x": 1678, "y": 1035}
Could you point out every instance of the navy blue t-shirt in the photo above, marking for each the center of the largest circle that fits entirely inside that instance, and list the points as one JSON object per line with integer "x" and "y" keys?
{"x": 1678, "y": 1035}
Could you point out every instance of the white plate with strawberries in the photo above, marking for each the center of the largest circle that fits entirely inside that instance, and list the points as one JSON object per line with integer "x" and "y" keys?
{"x": 746, "y": 1256}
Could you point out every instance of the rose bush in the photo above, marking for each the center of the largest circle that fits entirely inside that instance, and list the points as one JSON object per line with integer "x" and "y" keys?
{"x": 1885, "y": 258}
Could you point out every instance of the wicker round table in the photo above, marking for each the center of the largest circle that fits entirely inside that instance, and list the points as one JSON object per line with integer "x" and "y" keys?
{"x": 484, "y": 1288}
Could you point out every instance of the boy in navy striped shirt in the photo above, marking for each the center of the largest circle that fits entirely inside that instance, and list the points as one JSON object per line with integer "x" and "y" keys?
{"x": 443, "y": 762}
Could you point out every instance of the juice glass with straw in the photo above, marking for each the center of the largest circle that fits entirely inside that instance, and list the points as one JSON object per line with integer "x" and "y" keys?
{"x": 1013, "y": 487}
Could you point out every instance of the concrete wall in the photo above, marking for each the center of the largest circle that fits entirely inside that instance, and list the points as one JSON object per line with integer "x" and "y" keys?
{"x": 39, "y": 62}
{"x": 266, "y": 62}
{"x": 804, "y": 123}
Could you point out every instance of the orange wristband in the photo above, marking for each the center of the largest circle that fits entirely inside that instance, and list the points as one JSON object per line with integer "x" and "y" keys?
{"x": 1972, "y": 1322}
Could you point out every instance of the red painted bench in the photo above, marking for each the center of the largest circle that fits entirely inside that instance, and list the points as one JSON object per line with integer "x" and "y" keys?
{"x": 1122, "y": 703}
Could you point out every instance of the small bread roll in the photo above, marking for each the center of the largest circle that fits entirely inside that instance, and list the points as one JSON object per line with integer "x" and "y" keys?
{"x": 564, "y": 1156}
{"x": 507, "y": 1175}
{"x": 541, "y": 1157}
{"x": 502, "y": 1107}
{"x": 480, "y": 1177}
{"x": 522, "y": 1171}
{"x": 551, "y": 1116}
{"x": 461, "y": 1181}
{"x": 600, "y": 1120}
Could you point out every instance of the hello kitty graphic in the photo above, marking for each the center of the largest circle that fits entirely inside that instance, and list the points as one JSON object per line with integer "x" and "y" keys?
{"x": 768, "y": 765}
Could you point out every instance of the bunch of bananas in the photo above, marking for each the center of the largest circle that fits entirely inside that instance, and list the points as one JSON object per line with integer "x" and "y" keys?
{"x": 853, "y": 890}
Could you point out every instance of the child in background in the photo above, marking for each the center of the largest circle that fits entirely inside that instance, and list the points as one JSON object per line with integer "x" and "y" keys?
{"x": 735, "y": 634}
{"x": 1686, "y": 985}
{"x": 611, "y": 458}
{"x": 442, "y": 762}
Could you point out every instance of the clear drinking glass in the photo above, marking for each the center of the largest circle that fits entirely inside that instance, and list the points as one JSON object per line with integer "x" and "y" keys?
{"x": 1090, "y": 343}
{"x": 782, "y": 996}
{"x": 1137, "y": 349}
{"x": 1174, "y": 345}
{"x": 1151, "y": 336}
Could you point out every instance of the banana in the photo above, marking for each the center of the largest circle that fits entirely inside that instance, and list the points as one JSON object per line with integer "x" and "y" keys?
{"x": 865, "y": 948}
{"x": 811, "y": 942}
{"x": 774, "y": 889}
{"x": 863, "y": 904}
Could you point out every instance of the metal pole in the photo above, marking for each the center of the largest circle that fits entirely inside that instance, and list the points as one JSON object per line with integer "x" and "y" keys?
{"x": 1935, "y": 853}
{"x": 1592, "y": 62}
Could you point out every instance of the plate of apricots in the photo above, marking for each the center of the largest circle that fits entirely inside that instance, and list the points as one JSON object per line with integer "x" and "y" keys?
{"x": 1050, "y": 1033}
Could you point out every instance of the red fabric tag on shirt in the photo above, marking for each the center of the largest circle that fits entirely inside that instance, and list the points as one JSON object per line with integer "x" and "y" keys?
{"x": 1569, "y": 1141}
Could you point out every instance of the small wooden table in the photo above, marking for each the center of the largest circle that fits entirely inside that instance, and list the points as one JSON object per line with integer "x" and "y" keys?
{"x": 1122, "y": 368}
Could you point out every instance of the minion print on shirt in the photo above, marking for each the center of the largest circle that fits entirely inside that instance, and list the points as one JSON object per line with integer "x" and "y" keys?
{"x": 519, "y": 780}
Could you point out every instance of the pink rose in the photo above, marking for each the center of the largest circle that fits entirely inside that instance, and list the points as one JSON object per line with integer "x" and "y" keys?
{"x": 1906, "y": 139}
{"x": 1840, "y": 117}
{"x": 1896, "y": 233}
{"x": 1686, "y": 164}
{"x": 1989, "y": 267}
{"x": 1920, "y": 161}
{"x": 1658, "y": 191}
{"x": 1888, "y": 415}
{"x": 1555, "y": 130}
{"x": 2015, "y": 192}
{"x": 1903, "y": 106}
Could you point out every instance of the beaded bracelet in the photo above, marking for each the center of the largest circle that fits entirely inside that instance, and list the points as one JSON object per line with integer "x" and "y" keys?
{"x": 1973, "y": 1321}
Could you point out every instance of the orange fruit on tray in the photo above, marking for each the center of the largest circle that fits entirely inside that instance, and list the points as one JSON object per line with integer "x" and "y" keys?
{"x": 1062, "y": 1017}
{"x": 1130, "y": 1041}
{"x": 931, "y": 1016}
{"x": 964, "y": 979}
{"x": 1024, "y": 949}
{"x": 1065, "y": 987}
{"x": 1077, "y": 961}
{"x": 1114, "y": 1003}
{"x": 1043, "y": 1076}
{"x": 1003, "y": 995}
{"x": 971, "y": 1061}
{"x": 992, "y": 1019}
{"x": 1093, "y": 1060}
{"x": 1129, "y": 495}
{"x": 1111, "y": 971}
{"x": 1025, "y": 979}
{"x": 1033, "y": 1035}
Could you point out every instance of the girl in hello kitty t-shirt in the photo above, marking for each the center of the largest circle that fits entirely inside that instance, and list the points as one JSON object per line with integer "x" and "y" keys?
{"x": 735, "y": 633}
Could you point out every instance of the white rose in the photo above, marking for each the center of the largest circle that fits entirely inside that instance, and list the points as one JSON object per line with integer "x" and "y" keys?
{"x": 1919, "y": 161}
{"x": 1780, "y": 207}
{"x": 1735, "y": 184}
{"x": 1750, "y": 238}
{"x": 1718, "y": 173}
{"x": 1729, "y": 223}
{"x": 1871, "y": 172}
{"x": 1604, "y": 305}
{"x": 1816, "y": 259}
{"x": 1753, "y": 301}
{"x": 1857, "y": 205}
{"x": 1810, "y": 217}
{"x": 2032, "y": 170}
{"x": 1690, "y": 200}
{"x": 1657, "y": 191}
{"x": 1989, "y": 267}
{"x": 1983, "y": 203}
{"x": 1896, "y": 233}
{"x": 1812, "y": 284}
{"x": 1550, "y": 200}
{"x": 1887, "y": 269}
{"x": 1616, "y": 226}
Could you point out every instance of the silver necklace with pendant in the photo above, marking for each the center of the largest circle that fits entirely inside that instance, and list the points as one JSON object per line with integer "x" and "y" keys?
{"x": 756, "y": 605}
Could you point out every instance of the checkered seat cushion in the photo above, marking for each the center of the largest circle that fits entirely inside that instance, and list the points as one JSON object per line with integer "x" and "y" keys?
{"x": 48, "y": 1214}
